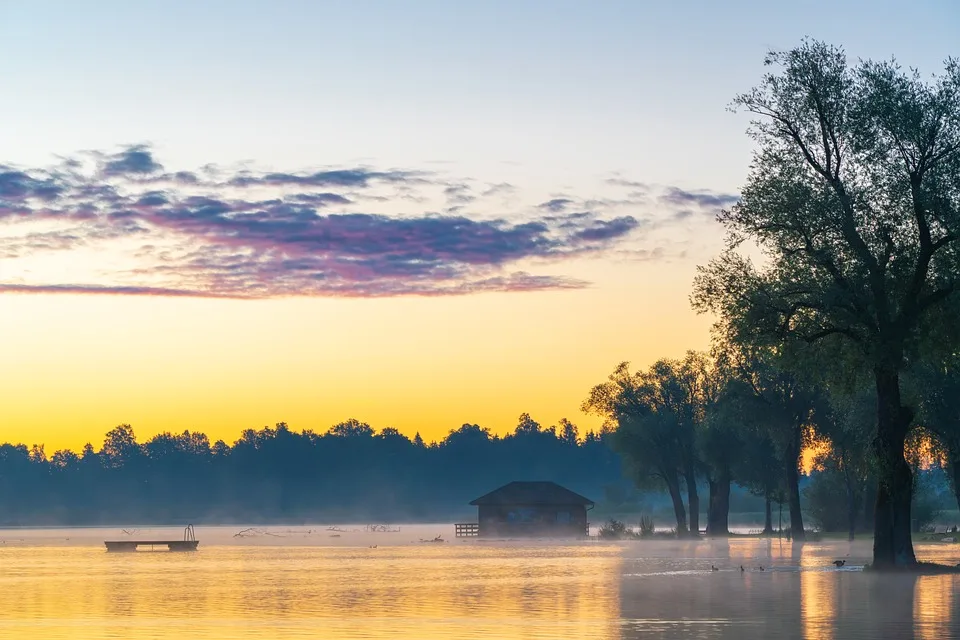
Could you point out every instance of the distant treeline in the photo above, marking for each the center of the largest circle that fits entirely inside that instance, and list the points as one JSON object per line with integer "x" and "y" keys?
{"x": 276, "y": 474}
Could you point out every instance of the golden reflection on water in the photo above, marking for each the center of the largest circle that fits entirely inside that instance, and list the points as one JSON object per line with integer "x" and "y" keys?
{"x": 818, "y": 597}
{"x": 933, "y": 604}
{"x": 288, "y": 592}
{"x": 311, "y": 589}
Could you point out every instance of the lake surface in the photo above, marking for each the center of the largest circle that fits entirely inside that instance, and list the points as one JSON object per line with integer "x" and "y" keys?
{"x": 303, "y": 582}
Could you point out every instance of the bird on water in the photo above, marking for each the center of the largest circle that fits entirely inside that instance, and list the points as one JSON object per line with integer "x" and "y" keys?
{"x": 839, "y": 563}
{"x": 713, "y": 568}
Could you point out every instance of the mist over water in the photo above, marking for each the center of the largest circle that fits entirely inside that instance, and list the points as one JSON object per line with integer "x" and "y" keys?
{"x": 311, "y": 582}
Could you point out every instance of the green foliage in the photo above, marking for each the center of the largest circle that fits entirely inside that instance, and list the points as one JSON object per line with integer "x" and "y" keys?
{"x": 654, "y": 417}
{"x": 642, "y": 437}
{"x": 613, "y": 530}
{"x": 853, "y": 200}
{"x": 853, "y": 203}
{"x": 827, "y": 500}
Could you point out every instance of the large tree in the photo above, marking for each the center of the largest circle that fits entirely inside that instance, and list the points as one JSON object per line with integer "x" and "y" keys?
{"x": 679, "y": 391}
{"x": 720, "y": 443}
{"x": 642, "y": 432}
{"x": 853, "y": 200}
{"x": 778, "y": 403}
{"x": 657, "y": 417}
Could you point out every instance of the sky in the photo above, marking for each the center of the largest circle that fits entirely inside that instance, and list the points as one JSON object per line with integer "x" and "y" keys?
{"x": 222, "y": 215}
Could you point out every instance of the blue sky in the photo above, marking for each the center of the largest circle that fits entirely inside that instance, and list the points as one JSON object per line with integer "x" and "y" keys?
{"x": 547, "y": 92}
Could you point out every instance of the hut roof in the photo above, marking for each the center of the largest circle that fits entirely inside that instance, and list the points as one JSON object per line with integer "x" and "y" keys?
{"x": 531, "y": 493}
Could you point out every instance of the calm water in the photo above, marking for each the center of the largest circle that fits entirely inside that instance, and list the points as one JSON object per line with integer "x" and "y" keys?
{"x": 305, "y": 583}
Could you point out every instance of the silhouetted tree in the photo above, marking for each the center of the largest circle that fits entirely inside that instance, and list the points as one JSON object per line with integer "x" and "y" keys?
{"x": 644, "y": 431}
{"x": 720, "y": 442}
{"x": 526, "y": 424}
{"x": 854, "y": 200}
{"x": 779, "y": 403}
{"x": 120, "y": 447}
{"x": 568, "y": 432}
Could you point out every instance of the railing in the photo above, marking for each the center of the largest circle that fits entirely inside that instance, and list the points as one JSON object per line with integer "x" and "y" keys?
{"x": 467, "y": 529}
{"x": 188, "y": 534}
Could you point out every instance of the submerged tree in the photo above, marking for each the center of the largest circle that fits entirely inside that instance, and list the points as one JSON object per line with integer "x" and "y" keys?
{"x": 646, "y": 439}
{"x": 778, "y": 405}
{"x": 658, "y": 417}
{"x": 853, "y": 200}
{"x": 720, "y": 444}
{"x": 678, "y": 392}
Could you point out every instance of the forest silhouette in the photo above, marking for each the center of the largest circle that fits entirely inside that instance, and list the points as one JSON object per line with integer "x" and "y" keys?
{"x": 276, "y": 474}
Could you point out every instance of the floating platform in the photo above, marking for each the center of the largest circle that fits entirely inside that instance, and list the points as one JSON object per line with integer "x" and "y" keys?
{"x": 189, "y": 543}
{"x": 131, "y": 545}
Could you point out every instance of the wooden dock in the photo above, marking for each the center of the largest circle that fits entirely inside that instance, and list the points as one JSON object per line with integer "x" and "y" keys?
{"x": 189, "y": 543}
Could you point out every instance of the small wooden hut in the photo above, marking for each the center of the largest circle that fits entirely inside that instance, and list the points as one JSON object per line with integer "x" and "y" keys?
{"x": 538, "y": 509}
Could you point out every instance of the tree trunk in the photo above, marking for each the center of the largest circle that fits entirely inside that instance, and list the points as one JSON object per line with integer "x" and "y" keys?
{"x": 851, "y": 505}
{"x": 673, "y": 486}
{"x": 791, "y": 467}
{"x": 718, "y": 513}
{"x": 693, "y": 501}
{"x": 869, "y": 504}
{"x": 767, "y": 516}
{"x": 953, "y": 461}
{"x": 711, "y": 504}
{"x": 892, "y": 542}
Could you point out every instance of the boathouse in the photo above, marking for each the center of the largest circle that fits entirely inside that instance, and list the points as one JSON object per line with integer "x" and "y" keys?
{"x": 539, "y": 509}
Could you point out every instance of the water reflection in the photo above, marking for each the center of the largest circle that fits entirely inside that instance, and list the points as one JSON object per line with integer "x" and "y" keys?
{"x": 818, "y": 604}
{"x": 598, "y": 591}
{"x": 800, "y": 594}
{"x": 404, "y": 592}
{"x": 933, "y": 607}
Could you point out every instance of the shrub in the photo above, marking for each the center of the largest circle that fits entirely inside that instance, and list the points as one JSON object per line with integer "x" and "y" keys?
{"x": 613, "y": 530}
{"x": 646, "y": 526}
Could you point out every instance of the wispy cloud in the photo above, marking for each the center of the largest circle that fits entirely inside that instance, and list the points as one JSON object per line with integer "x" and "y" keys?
{"x": 556, "y": 205}
{"x": 708, "y": 201}
{"x": 135, "y": 160}
{"x": 337, "y": 178}
{"x": 250, "y": 234}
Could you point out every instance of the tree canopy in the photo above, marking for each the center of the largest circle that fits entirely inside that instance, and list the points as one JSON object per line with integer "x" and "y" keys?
{"x": 851, "y": 209}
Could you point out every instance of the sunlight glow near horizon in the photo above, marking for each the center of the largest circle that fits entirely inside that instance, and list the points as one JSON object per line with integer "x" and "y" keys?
{"x": 640, "y": 98}
{"x": 430, "y": 365}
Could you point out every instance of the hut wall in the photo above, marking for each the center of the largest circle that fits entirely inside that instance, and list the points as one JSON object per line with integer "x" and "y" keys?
{"x": 532, "y": 520}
